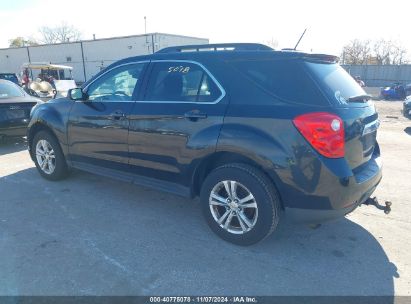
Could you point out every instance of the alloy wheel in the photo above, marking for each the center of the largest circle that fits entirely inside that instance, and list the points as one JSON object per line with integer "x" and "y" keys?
{"x": 45, "y": 156}
{"x": 233, "y": 207}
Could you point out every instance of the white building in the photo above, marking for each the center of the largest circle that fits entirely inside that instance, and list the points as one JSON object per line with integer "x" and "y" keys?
{"x": 88, "y": 57}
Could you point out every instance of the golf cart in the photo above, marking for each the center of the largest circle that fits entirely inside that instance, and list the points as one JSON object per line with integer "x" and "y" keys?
{"x": 45, "y": 80}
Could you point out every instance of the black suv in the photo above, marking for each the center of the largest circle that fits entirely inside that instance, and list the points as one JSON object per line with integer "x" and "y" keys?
{"x": 252, "y": 131}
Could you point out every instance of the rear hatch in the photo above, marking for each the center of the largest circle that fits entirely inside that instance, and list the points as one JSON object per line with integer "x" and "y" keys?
{"x": 15, "y": 105}
{"x": 316, "y": 83}
{"x": 14, "y": 113}
{"x": 352, "y": 104}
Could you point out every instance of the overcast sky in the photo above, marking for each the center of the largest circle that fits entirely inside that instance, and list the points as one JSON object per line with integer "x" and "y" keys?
{"x": 330, "y": 24}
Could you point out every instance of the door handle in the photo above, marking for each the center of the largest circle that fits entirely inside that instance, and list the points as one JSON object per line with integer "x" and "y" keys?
{"x": 118, "y": 115}
{"x": 195, "y": 115}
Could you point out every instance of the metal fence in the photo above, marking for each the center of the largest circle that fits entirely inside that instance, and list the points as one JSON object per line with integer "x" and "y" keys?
{"x": 381, "y": 75}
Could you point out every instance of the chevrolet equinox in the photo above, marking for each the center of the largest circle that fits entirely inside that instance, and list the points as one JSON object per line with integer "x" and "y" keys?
{"x": 256, "y": 133}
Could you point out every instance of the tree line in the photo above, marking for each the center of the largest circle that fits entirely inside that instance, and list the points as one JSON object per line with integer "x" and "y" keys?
{"x": 381, "y": 51}
{"x": 357, "y": 51}
{"x": 49, "y": 35}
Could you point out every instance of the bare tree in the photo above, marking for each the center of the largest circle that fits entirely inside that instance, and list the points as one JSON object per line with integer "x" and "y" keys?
{"x": 273, "y": 43}
{"x": 356, "y": 52}
{"x": 21, "y": 41}
{"x": 382, "y": 51}
{"x": 398, "y": 54}
{"x": 61, "y": 33}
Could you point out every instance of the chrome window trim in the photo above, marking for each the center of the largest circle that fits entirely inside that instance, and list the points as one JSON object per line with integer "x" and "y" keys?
{"x": 220, "y": 87}
{"x": 108, "y": 71}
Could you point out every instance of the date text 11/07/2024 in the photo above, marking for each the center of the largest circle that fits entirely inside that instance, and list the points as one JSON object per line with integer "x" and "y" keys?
{"x": 203, "y": 299}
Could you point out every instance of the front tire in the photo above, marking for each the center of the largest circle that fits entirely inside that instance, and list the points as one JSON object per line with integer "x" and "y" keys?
{"x": 240, "y": 204}
{"x": 48, "y": 157}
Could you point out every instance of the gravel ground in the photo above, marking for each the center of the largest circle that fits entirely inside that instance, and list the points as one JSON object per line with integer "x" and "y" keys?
{"x": 89, "y": 235}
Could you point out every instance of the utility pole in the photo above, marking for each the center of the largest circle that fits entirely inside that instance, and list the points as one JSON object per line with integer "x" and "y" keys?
{"x": 84, "y": 63}
{"x": 145, "y": 33}
{"x": 28, "y": 54}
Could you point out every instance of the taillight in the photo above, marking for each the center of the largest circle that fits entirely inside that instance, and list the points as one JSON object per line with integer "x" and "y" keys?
{"x": 324, "y": 131}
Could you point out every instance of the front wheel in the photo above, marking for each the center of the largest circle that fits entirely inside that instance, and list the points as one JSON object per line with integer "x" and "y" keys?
{"x": 240, "y": 204}
{"x": 48, "y": 157}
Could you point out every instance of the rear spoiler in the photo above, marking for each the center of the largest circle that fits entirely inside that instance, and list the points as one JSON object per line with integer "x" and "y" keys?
{"x": 322, "y": 58}
{"x": 314, "y": 57}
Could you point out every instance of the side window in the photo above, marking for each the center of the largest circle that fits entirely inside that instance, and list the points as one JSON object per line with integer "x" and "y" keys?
{"x": 286, "y": 79}
{"x": 116, "y": 85}
{"x": 181, "y": 81}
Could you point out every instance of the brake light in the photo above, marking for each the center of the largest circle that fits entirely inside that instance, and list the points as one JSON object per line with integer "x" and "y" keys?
{"x": 324, "y": 131}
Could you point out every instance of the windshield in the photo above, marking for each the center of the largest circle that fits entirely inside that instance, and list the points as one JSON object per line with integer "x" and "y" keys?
{"x": 337, "y": 83}
{"x": 61, "y": 74}
{"x": 8, "y": 90}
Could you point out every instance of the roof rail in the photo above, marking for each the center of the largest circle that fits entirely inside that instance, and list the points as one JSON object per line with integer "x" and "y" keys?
{"x": 216, "y": 47}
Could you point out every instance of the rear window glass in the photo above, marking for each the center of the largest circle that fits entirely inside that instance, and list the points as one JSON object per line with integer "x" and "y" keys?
{"x": 11, "y": 77}
{"x": 8, "y": 90}
{"x": 338, "y": 84}
{"x": 285, "y": 79}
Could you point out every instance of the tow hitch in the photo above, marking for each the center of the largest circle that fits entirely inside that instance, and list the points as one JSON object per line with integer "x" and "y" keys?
{"x": 373, "y": 201}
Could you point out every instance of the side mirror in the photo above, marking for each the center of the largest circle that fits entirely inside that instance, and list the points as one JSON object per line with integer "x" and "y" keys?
{"x": 77, "y": 94}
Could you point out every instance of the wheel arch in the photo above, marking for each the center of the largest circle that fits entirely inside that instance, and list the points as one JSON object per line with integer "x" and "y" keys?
{"x": 221, "y": 158}
{"x": 34, "y": 129}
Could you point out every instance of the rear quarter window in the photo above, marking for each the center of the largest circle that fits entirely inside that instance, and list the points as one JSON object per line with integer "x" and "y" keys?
{"x": 287, "y": 80}
{"x": 336, "y": 82}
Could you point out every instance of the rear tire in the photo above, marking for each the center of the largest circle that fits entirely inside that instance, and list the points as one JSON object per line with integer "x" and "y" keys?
{"x": 246, "y": 215}
{"x": 48, "y": 156}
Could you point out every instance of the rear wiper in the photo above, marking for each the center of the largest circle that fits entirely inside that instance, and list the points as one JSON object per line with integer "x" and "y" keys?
{"x": 360, "y": 98}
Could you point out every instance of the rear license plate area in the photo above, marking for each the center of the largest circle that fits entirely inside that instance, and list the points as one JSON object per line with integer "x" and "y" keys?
{"x": 16, "y": 114}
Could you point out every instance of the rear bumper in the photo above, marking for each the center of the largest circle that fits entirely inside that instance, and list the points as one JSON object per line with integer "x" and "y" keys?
{"x": 14, "y": 127}
{"x": 315, "y": 216}
{"x": 341, "y": 197}
{"x": 16, "y": 131}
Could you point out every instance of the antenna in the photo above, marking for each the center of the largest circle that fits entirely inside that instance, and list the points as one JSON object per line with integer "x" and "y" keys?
{"x": 301, "y": 37}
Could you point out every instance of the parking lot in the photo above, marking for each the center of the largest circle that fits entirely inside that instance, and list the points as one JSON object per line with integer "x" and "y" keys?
{"x": 89, "y": 235}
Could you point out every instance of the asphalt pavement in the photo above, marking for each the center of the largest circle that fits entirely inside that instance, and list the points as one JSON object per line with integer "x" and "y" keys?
{"x": 90, "y": 235}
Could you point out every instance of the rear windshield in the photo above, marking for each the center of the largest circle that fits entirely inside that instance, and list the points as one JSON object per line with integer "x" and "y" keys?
{"x": 284, "y": 79}
{"x": 11, "y": 77}
{"x": 337, "y": 83}
{"x": 8, "y": 90}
